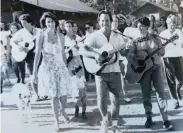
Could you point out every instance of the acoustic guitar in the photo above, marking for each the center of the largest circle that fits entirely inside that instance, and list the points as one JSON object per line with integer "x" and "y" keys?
{"x": 20, "y": 50}
{"x": 137, "y": 68}
{"x": 108, "y": 56}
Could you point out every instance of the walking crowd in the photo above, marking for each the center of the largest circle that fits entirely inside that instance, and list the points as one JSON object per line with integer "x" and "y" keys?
{"x": 56, "y": 57}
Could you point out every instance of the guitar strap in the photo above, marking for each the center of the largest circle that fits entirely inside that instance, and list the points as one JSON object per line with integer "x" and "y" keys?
{"x": 135, "y": 44}
{"x": 154, "y": 39}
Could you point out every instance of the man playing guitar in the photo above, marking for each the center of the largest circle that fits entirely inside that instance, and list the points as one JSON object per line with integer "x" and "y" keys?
{"x": 154, "y": 74}
{"x": 109, "y": 79}
{"x": 26, "y": 33}
{"x": 173, "y": 59}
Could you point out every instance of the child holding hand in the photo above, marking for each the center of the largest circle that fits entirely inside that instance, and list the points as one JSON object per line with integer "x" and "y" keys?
{"x": 79, "y": 92}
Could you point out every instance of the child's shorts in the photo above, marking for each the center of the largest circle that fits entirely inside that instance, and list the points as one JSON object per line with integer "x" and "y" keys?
{"x": 80, "y": 94}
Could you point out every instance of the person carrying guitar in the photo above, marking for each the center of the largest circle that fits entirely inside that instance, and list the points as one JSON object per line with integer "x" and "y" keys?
{"x": 73, "y": 59}
{"x": 27, "y": 33}
{"x": 139, "y": 51}
{"x": 173, "y": 59}
{"x": 109, "y": 79}
{"x": 18, "y": 67}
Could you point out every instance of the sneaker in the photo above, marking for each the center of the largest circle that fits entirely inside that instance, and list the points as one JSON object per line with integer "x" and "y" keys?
{"x": 38, "y": 99}
{"x": 76, "y": 111}
{"x": 56, "y": 126}
{"x": 176, "y": 105}
{"x": 18, "y": 80}
{"x": 104, "y": 127}
{"x": 115, "y": 129}
{"x": 8, "y": 83}
{"x": 66, "y": 118}
{"x": 84, "y": 115}
{"x": 127, "y": 100}
{"x": 23, "y": 82}
{"x": 148, "y": 123}
{"x": 179, "y": 94}
{"x": 167, "y": 125}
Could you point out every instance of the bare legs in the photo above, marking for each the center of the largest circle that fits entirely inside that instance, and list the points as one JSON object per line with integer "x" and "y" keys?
{"x": 59, "y": 103}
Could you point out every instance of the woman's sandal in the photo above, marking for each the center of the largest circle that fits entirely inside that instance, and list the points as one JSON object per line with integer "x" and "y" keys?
{"x": 45, "y": 97}
{"x": 56, "y": 126}
{"x": 38, "y": 99}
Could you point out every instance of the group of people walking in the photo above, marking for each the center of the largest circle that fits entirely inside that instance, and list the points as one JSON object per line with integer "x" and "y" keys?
{"x": 55, "y": 63}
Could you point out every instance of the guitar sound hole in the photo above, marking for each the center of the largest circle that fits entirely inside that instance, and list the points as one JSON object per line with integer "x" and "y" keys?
{"x": 26, "y": 44}
{"x": 104, "y": 54}
{"x": 141, "y": 62}
{"x": 140, "y": 69}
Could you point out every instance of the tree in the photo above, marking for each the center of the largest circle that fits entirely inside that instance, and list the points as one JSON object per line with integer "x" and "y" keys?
{"x": 174, "y": 4}
{"x": 115, "y": 6}
{"x": 180, "y": 10}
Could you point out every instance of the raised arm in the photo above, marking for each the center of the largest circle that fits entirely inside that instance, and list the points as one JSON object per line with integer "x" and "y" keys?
{"x": 39, "y": 45}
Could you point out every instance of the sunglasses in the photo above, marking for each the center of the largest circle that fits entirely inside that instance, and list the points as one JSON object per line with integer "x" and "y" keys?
{"x": 87, "y": 28}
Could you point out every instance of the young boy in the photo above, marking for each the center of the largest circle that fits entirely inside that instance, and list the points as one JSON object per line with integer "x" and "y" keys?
{"x": 79, "y": 91}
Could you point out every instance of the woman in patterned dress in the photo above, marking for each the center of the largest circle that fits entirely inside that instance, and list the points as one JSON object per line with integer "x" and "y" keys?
{"x": 53, "y": 76}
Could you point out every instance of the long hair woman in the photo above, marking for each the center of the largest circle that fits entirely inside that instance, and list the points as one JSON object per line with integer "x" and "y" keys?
{"x": 163, "y": 25}
{"x": 153, "y": 27}
{"x": 53, "y": 76}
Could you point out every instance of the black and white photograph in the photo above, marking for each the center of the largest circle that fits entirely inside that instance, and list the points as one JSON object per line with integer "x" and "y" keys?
{"x": 91, "y": 66}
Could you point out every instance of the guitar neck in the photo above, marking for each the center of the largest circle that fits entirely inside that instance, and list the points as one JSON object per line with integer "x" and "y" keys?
{"x": 155, "y": 51}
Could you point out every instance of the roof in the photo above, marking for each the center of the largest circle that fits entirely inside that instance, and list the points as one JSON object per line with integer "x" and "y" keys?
{"x": 156, "y": 5}
{"x": 6, "y": 4}
{"x": 62, "y": 5}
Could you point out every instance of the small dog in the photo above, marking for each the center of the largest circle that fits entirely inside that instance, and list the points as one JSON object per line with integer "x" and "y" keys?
{"x": 22, "y": 94}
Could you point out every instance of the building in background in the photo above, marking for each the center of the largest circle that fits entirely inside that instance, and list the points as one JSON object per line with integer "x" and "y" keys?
{"x": 153, "y": 8}
{"x": 63, "y": 9}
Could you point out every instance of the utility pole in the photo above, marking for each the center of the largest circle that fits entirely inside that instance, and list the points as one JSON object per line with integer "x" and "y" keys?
{"x": 37, "y": 2}
{"x": 180, "y": 9}
{"x": 181, "y": 12}
{"x": 114, "y": 6}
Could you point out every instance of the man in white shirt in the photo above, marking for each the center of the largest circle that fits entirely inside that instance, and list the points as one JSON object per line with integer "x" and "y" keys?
{"x": 26, "y": 34}
{"x": 122, "y": 59}
{"x": 173, "y": 59}
{"x": 153, "y": 77}
{"x": 109, "y": 79}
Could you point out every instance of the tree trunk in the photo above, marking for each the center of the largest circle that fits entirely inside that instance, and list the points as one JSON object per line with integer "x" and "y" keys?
{"x": 114, "y": 6}
{"x": 181, "y": 15}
